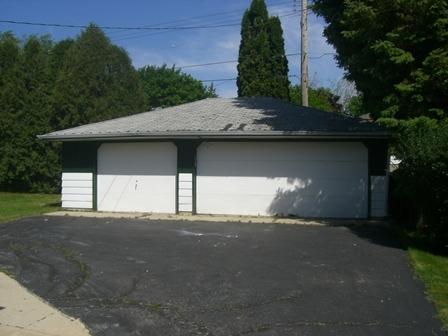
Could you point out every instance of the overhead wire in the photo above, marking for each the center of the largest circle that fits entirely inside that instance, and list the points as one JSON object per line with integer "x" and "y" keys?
{"x": 231, "y": 79}
{"x": 214, "y": 14}
{"x": 232, "y": 23}
{"x": 159, "y": 28}
{"x": 110, "y": 27}
{"x": 235, "y": 60}
{"x": 228, "y": 22}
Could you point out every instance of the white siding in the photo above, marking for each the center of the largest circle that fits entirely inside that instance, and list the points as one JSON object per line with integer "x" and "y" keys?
{"x": 77, "y": 190}
{"x": 378, "y": 196}
{"x": 309, "y": 179}
{"x": 137, "y": 177}
{"x": 185, "y": 192}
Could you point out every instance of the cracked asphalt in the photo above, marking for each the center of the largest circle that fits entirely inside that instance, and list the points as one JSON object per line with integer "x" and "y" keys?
{"x": 140, "y": 277}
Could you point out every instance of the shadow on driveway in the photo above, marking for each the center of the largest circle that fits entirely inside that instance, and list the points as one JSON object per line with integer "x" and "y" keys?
{"x": 135, "y": 277}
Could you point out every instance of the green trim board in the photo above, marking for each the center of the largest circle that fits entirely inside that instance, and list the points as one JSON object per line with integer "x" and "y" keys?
{"x": 82, "y": 158}
{"x": 95, "y": 179}
{"x": 378, "y": 157}
{"x": 186, "y": 163}
{"x": 377, "y": 165}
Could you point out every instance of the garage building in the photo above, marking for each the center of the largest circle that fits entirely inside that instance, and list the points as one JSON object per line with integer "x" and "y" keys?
{"x": 240, "y": 156}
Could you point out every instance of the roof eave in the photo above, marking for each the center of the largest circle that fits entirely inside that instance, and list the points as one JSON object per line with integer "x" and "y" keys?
{"x": 217, "y": 135}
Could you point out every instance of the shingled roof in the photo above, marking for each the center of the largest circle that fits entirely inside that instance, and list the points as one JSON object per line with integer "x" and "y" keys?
{"x": 257, "y": 117}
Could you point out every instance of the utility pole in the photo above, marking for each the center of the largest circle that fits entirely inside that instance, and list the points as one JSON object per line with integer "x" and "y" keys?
{"x": 304, "y": 52}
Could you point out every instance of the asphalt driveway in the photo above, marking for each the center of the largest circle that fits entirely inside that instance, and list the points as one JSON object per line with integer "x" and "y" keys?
{"x": 132, "y": 277}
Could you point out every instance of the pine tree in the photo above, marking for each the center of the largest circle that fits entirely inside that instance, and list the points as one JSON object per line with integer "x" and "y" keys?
{"x": 262, "y": 65}
{"x": 279, "y": 70}
{"x": 11, "y": 100}
{"x": 27, "y": 164}
{"x": 97, "y": 82}
{"x": 395, "y": 51}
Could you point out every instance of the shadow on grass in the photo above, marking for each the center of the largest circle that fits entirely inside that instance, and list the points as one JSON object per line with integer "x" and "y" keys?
{"x": 54, "y": 204}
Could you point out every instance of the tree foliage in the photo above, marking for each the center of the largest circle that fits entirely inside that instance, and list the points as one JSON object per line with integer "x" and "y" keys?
{"x": 395, "y": 51}
{"x": 97, "y": 82}
{"x": 46, "y": 86}
{"x": 320, "y": 98}
{"x": 420, "y": 193}
{"x": 354, "y": 106}
{"x": 25, "y": 89}
{"x": 262, "y": 64}
{"x": 165, "y": 87}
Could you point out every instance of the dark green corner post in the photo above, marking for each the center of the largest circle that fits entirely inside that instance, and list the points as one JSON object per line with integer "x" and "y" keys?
{"x": 81, "y": 157}
{"x": 186, "y": 163}
{"x": 378, "y": 156}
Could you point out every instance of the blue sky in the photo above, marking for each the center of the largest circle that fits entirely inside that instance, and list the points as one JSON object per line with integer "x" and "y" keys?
{"x": 180, "y": 47}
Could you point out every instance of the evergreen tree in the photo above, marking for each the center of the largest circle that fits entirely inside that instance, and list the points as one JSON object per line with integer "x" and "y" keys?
{"x": 395, "y": 51}
{"x": 26, "y": 163}
{"x": 11, "y": 100}
{"x": 279, "y": 62}
{"x": 97, "y": 82}
{"x": 262, "y": 65}
{"x": 165, "y": 87}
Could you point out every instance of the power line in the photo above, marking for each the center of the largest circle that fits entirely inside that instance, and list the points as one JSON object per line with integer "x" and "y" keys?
{"x": 120, "y": 28}
{"x": 235, "y": 61}
{"x": 227, "y": 23}
{"x": 232, "y": 79}
{"x": 217, "y": 80}
{"x": 61, "y": 25}
{"x": 214, "y": 14}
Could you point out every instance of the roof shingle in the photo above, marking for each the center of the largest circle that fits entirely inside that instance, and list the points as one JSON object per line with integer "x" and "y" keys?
{"x": 223, "y": 117}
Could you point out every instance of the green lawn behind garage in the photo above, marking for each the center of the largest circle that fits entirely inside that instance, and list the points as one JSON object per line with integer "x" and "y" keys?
{"x": 433, "y": 270}
{"x": 17, "y": 205}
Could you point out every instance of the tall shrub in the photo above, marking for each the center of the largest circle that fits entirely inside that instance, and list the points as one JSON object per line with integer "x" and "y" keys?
{"x": 420, "y": 195}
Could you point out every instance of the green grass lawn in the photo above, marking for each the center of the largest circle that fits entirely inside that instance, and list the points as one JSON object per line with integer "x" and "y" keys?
{"x": 18, "y": 205}
{"x": 433, "y": 270}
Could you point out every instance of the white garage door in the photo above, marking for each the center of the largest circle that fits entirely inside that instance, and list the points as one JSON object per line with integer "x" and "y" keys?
{"x": 308, "y": 179}
{"x": 137, "y": 177}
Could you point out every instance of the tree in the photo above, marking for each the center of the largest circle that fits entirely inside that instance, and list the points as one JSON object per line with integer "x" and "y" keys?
{"x": 354, "y": 106}
{"x": 279, "y": 63}
{"x": 25, "y": 163}
{"x": 420, "y": 184}
{"x": 46, "y": 86}
{"x": 262, "y": 64}
{"x": 395, "y": 51}
{"x": 165, "y": 87}
{"x": 97, "y": 82}
{"x": 11, "y": 100}
{"x": 320, "y": 98}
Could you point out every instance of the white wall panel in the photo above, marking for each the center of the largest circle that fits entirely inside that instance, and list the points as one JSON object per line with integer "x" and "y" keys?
{"x": 137, "y": 177}
{"x": 77, "y": 205}
{"x": 77, "y": 190}
{"x": 314, "y": 179}
{"x": 185, "y": 197}
{"x": 77, "y": 197}
{"x": 69, "y": 176}
{"x": 76, "y": 184}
